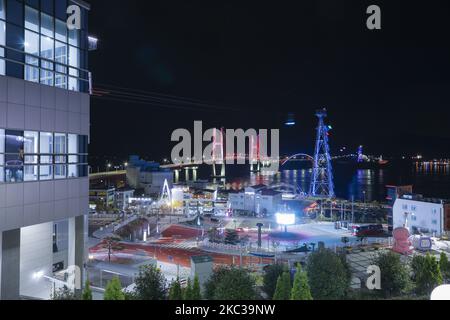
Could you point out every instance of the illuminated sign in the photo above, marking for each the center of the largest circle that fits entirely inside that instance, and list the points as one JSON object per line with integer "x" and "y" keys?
{"x": 285, "y": 219}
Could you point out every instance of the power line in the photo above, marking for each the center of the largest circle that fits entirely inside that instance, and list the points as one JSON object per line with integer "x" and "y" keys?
{"x": 162, "y": 100}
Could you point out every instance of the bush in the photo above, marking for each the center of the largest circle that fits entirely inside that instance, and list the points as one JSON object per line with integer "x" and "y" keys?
{"x": 230, "y": 284}
{"x": 113, "y": 290}
{"x": 271, "y": 275}
{"x": 284, "y": 288}
{"x": 426, "y": 274}
{"x": 395, "y": 279}
{"x": 445, "y": 266}
{"x": 329, "y": 275}
{"x": 150, "y": 284}
{"x": 301, "y": 289}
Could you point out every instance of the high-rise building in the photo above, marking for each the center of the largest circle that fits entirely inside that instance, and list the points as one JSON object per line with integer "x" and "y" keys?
{"x": 44, "y": 134}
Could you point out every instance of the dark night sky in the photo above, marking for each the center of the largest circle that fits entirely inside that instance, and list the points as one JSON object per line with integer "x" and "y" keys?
{"x": 388, "y": 89}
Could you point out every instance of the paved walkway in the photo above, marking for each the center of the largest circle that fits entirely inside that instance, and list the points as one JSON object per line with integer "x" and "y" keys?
{"x": 103, "y": 233}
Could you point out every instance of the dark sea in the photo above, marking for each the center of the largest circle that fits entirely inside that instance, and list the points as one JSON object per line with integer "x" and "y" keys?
{"x": 350, "y": 181}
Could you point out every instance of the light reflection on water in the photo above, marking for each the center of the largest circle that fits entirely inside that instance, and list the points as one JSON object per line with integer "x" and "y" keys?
{"x": 362, "y": 184}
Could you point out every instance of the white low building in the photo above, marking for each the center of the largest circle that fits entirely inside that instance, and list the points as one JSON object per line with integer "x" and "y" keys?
{"x": 148, "y": 176}
{"x": 257, "y": 199}
{"x": 422, "y": 216}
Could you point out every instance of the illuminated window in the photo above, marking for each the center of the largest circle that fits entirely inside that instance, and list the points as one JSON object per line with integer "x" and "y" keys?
{"x": 27, "y": 156}
{"x": 14, "y": 156}
{"x": 2, "y": 153}
{"x": 53, "y": 54}
{"x": 2, "y": 37}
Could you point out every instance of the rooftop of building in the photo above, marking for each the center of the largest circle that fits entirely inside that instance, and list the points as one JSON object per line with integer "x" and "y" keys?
{"x": 259, "y": 187}
{"x": 125, "y": 189}
{"x": 202, "y": 259}
{"x": 269, "y": 192}
{"x": 82, "y": 3}
{"x": 144, "y": 165}
{"x": 421, "y": 198}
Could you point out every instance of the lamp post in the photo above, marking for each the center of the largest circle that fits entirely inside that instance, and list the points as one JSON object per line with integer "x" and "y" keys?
{"x": 260, "y": 226}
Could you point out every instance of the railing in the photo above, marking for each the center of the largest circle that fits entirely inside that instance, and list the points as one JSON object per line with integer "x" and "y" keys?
{"x": 87, "y": 80}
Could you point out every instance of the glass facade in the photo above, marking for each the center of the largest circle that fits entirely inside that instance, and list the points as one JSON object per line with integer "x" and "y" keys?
{"x": 2, "y": 36}
{"x": 27, "y": 156}
{"x": 36, "y": 45}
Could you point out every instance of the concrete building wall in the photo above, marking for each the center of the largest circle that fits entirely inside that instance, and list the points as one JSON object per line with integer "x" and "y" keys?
{"x": 29, "y": 106}
{"x": 36, "y": 260}
{"x": 419, "y": 214}
{"x": 133, "y": 177}
{"x": 10, "y": 283}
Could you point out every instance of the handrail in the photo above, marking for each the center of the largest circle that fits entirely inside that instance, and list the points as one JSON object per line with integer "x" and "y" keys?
{"x": 42, "y": 58}
{"x": 87, "y": 79}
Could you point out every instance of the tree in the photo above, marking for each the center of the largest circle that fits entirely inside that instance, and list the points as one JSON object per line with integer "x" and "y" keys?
{"x": 150, "y": 284}
{"x": 426, "y": 274}
{"x": 87, "y": 292}
{"x": 214, "y": 235}
{"x": 283, "y": 289}
{"x": 112, "y": 244}
{"x": 329, "y": 275}
{"x": 64, "y": 293}
{"x": 211, "y": 284}
{"x": 231, "y": 237}
{"x": 188, "y": 294}
{"x": 271, "y": 275}
{"x": 113, "y": 290}
{"x": 301, "y": 289}
{"x": 196, "y": 290}
{"x": 445, "y": 266}
{"x": 230, "y": 284}
{"x": 395, "y": 279}
{"x": 176, "y": 293}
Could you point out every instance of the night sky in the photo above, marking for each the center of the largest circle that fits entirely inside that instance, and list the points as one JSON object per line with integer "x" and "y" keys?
{"x": 254, "y": 62}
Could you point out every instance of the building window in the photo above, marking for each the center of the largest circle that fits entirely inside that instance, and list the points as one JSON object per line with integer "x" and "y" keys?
{"x": 31, "y": 149}
{"x": 405, "y": 207}
{"x": 27, "y": 156}
{"x": 60, "y": 156}
{"x": 2, "y": 154}
{"x": 434, "y": 222}
{"x": 14, "y": 156}
{"x": 2, "y": 36}
{"x": 53, "y": 54}
{"x": 31, "y": 59}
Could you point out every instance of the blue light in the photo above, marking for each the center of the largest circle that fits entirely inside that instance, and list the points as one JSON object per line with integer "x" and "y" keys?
{"x": 290, "y": 121}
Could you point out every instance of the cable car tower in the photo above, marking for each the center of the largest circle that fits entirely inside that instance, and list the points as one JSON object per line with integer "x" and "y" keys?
{"x": 322, "y": 184}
